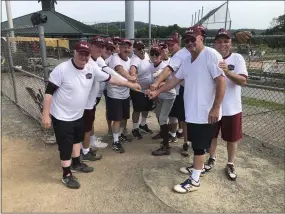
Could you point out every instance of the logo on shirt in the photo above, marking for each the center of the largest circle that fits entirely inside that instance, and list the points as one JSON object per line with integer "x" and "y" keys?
{"x": 88, "y": 76}
{"x": 231, "y": 67}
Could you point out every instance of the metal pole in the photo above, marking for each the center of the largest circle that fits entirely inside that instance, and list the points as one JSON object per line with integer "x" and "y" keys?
{"x": 11, "y": 66}
{"x": 43, "y": 52}
{"x": 58, "y": 53}
{"x": 226, "y": 19}
{"x": 129, "y": 19}
{"x": 192, "y": 21}
{"x": 149, "y": 24}
{"x": 195, "y": 18}
{"x": 199, "y": 16}
{"x": 10, "y": 24}
{"x": 202, "y": 12}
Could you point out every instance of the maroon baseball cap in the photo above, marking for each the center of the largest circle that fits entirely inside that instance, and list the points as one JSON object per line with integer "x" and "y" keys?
{"x": 116, "y": 39}
{"x": 223, "y": 32}
{"x": 97, "y": 40}
{"x": 109, "y": 43}
{"x": 124, "y": 41}
{"x": 138, "y": 44}
{"x": 195, "y": 31}
{"x": 172, "y": 40}
{"x": 155, "y": 50}
{"x": 162, "y": 45}
{"x": 82, "y": 46}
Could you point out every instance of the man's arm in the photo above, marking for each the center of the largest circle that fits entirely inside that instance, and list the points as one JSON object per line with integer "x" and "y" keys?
{"x": 112, "y": 72}
{"x": 133, "y": 70}
{"x": 236, "y": 78}
{"x": 116, "y": 80}
{"x": 161, "y": 77}
{"x": 124, "y": 73}
{"x": 220, "y": 91}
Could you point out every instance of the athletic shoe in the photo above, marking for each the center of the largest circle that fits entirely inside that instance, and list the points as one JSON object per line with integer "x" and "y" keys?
{"x": 123, "y": 138}
{"x": 82, "y": 167}
{"x": 71, "y": 182}
{"x": 156, "y": 137}
{"x": 90, "y": 157}
{"x": 172, "y": 139}
{"x": 189, "y": 169}
{"x": 98, "y": 143}
{"x": 189, "y": 185}
{"x": 161, "y": 151}
{"x": 136, "y": 133}
{"x": 145, "y": 129}
{"x": 117, "y": 147}
{"x": 209, "y": 164}
{"x": 231, "y": 172}
{"x": 185, "y": 151}
{"x": 179, "y": 135}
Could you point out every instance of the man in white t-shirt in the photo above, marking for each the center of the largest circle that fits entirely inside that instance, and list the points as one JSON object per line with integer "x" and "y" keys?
{"x": 230, "y": 125}
{"x": 65, "y": 98}
{"x": 118, "y": 97}
{"x": 204, "y": 91}
{"x": 165, "y": 52}
{"x": 140, "y": 67}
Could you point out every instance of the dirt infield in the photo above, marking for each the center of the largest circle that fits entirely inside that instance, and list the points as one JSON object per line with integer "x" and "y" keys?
{"x": 134, "y": 181}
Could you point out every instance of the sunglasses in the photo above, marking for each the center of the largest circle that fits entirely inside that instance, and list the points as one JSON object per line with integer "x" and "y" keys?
{"x": 110, "y": 49}
{"x": 154, "y": 54}
{"x": 190, "y": 39}
{"x": 83, "y": 53}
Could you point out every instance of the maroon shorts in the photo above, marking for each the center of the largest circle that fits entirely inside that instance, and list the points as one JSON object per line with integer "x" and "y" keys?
{"x": 231, "y": 128}
{"x": 89, "y": 117}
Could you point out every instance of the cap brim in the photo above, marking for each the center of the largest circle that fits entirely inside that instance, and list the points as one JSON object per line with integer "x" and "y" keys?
{"x": 83, "y": 50}
{"x": 125, "y": 43}
{"x": 222, "y": 35}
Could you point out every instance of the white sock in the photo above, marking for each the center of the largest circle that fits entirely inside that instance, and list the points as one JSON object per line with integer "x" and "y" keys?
{"x": 85, "y": 151}
{"x": 121, "y": 130}
{"x": 180, "y": 131}
{"x": 116, "y": 137}
{"x": 92, "y": 137}
{"x": 231, "y": 163}
{"x": 196, "y": 175}
{"x": 173, "y": 134}
{"x": 135, "y": 125}
{"x": 143, "y": 121}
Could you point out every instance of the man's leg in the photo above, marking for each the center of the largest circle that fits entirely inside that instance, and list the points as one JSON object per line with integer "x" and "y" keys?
{"x": 173, "y": 128}
{"x": 180, "y": 132}
{"x": 136, "y": 133}
{"x": 143, "y": 126}
{"x": 109, "y": 122}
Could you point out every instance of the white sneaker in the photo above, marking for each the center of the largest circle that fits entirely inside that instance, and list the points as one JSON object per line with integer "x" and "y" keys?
{"x": 189, "y": 169}
{"x": 97, "y": 143}
{"x": 189, "y": 185}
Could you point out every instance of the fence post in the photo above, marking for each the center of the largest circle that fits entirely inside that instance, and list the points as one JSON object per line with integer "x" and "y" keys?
{"x": 11, "y": 66}
{"x": 43, "y": 53}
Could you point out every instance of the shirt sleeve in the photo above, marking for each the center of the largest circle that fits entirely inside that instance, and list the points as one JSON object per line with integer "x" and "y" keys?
{"x": 175, "y": 63}
{"x": 241, "y": 66}
{"x": 99, "y": 75}
{"x": 180, "y": 72}
{"x": 213, "y": 64}
{"x": 114, "y": 62}
{"x": 101, "y": 63}
{"x": 56, "y": 76}
{"x": 135, "y": 61}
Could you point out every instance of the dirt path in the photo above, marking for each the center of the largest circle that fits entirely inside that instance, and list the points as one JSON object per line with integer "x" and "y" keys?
{"x": 130, "y": 182}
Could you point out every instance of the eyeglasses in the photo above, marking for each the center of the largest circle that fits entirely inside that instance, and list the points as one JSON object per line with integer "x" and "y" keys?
{"x": 139, "y": 49}
{"x": 109, "y": 49}
{"x": 190, "y": 39}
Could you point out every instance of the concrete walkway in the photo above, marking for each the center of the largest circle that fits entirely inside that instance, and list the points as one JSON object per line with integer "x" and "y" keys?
{"x": 134, "y": 181}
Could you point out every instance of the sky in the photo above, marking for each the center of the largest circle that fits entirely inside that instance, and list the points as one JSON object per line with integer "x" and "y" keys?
{"x": 244, "y": 14}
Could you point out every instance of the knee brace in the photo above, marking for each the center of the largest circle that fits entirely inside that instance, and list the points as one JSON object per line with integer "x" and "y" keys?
{"x": 199, "y": 151}
{"x": 173, "y": 120}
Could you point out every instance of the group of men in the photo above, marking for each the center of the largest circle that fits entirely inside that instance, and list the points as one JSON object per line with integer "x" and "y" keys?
{"x": 195, "y": 93}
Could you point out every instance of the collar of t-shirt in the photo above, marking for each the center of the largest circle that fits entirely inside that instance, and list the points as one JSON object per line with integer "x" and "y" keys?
{"x": 227, "y": 56}
{"x": 73, "y": 63}
{"x": 157, "y": 64}
{"x": 94, "y": 58}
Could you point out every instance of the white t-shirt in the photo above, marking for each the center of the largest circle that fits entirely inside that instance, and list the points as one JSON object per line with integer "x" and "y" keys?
{"x": 167, "y": 61}
{"x": 171, "y": 94}
{"x": 232, "y": 101}
{"x": 200, "y": 86}
{"x": 143, "y": 71}
{"x": 101, "y": 63}
{"x": 176, "y": 61}
{"x": 74, "y": 86}
{"x": 114, "y": 91}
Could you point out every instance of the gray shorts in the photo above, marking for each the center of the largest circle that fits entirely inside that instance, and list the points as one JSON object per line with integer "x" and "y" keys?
{"x": 163, "y": 109}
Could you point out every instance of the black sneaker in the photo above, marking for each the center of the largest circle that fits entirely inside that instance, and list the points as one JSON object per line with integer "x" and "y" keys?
{"x": 71, "y": 182}
{"x": 231, "y": 172}
{"x": 185, "y": 151}
{"x": 123, "y": 138}
{"x": 90, "y": 157}
{"x": 82, "y": 167}
{"x": 161, "y": 151}
{"x": 117, "y": 147}
{"x": 156, "y": 137}
{"x": 136, "y": 133}
{"x": 172, "y": 139}
{"x": 145, "y": 129}
{"x": 179, "y": 135}
{"x": 209, "y": 164}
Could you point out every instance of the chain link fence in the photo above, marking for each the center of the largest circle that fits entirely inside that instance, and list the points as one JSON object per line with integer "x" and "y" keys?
{"x": 263, "y": 98}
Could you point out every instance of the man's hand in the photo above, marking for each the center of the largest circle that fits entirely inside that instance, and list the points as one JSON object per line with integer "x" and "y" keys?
{"x": 243, "y": 37}
{"x": 223, "y": 65}
{"x": 134, "y": 86}
{"x": 152, "y": 94}
{"x": 161, "y": 84}
{"x": 153, "y": 86}
{"x": 132, "y": 78}
{"x": 46, "y": 121}
{"x": 214, "y": 115}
